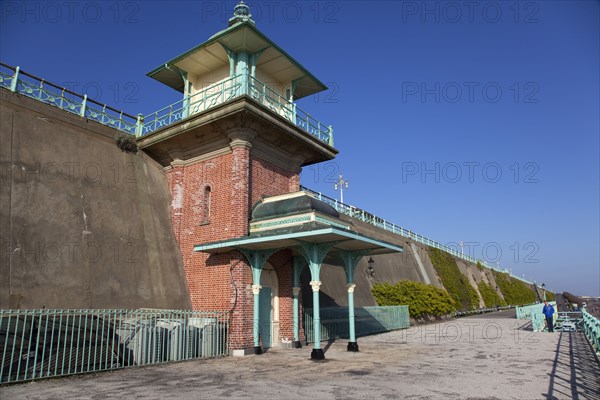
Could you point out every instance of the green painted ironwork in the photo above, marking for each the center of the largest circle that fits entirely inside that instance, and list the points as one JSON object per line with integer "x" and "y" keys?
{"x": 15, "y": 80}
{"x": 257, "y": 260}
{"x": 38, "y": 344}
{"x": 372, "y": 219}
{"x": 289, "y": 110}
{"x": 298, "y": 266}
{"x": 534, "y": 313}
{"x": 314, "y": 253}
{"x": 591, "y": 328}
{"x": 525, "y": 312}
{"x": 334, "y": 323}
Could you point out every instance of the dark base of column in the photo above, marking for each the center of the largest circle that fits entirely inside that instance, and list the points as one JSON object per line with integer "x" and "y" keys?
{"x": 258, "y": 350}
{"x": 352, "y": 346}
{"x": 297, "y": 344}
{"x": 317, "y": 354}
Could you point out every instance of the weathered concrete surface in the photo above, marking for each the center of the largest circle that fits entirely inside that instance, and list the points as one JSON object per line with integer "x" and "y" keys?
{"x": 82, "y": 225}
{"x": 470, "y": 358}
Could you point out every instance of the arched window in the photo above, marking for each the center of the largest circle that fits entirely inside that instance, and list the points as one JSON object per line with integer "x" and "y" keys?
{"x": 205, "y": 217}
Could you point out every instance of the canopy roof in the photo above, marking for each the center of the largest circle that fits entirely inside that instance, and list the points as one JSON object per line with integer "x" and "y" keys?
{"x": 241, "y": 36}
{"x": 346, "y": 240}
{"x": 289, "y": 220}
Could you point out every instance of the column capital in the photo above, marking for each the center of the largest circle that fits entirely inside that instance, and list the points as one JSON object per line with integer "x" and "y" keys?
{"x": 350, "y": 287}
{"x": 315, "y": 285}
{"x": 295, "y": 291}
{"x": 241, "y": 137}
{"x": 256, "y": 289}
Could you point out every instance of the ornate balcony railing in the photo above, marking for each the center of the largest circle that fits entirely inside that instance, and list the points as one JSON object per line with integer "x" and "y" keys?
{"x": 369, "y": 218}
{"x": 15, "y": 80}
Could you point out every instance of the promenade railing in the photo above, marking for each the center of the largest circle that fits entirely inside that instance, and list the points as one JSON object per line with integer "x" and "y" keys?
{"x": 17, "y": 81}
{"x": 591, "y": 328}
{"x": 47, "y": 343}
{"x": 372, "y": 219}
{"x": 367, "y": 320}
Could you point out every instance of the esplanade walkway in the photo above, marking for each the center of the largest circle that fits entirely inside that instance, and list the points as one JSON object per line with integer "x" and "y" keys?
{"x": 491, "y": 356}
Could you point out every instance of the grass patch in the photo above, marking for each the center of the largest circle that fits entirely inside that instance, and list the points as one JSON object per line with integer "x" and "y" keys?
{"x": 422, "y": 299}
{"x": 456, "y": 283}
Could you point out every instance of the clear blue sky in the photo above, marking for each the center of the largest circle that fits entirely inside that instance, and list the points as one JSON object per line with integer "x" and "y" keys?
{"x": 474, "y": 122}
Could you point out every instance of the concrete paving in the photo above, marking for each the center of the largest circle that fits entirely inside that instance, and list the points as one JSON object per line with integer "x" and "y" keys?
{"x": 487, "y": 357}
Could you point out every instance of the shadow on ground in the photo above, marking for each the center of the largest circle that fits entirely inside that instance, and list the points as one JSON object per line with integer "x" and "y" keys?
{"x": 576, "y": 369}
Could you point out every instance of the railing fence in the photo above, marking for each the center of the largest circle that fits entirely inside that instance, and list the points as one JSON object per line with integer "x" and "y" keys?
{"x": 368, "y": 320}
{"x": 46, "y": 343}
{"x": 369, "y": 218}
{"x": 15, "y": 80}
{"x": 591, "y": 328}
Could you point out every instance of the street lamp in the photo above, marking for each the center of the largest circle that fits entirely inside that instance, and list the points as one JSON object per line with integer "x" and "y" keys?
{"x": 340, "y": 185}
{"x": 544, "y": 289}
{"x": 370, "y": 269}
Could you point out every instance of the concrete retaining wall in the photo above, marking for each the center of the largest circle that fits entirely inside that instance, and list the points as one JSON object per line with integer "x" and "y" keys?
{"x": 82, "y": 224}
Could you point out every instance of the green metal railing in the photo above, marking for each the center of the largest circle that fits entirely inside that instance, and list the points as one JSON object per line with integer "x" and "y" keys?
{"x": 534, "y": 313}
{"x": 486, "y": 310}
{"x": 525, "y": 312}
{"x": 591, "y": 328}
{"x": 46, "y": 343}
{"x": 369, "y": 218}
{"x": 17, "y": 81}
{"x": 289, "y": 110}
{"x": 368, "y": 320}
{"x": 209, "y": 97}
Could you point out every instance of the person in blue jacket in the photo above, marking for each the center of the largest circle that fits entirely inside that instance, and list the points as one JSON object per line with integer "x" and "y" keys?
{"x": 548, "y": 311}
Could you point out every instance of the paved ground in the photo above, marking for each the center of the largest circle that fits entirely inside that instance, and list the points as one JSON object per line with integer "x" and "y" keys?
{"x": 486, "y": 357}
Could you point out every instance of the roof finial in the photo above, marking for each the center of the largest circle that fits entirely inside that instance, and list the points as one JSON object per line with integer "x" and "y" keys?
{"x": 241, "y": 13}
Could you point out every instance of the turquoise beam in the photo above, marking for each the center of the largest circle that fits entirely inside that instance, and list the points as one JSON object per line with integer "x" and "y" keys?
{"x": 314, "y": 253}
{"x": 257, "y": 260}
{"x": 298, "y": 266}
{"x": 351, "y": 259}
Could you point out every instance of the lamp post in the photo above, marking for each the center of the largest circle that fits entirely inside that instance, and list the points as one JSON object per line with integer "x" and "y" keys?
{"x": 370, "y": 269}
{"x": 544, "y": 290}
{"x": 340, "y": 185}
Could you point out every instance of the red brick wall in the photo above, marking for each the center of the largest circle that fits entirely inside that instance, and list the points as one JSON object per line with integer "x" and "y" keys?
{"x": 267, "y": 179}
{"x": 222, "y": 282}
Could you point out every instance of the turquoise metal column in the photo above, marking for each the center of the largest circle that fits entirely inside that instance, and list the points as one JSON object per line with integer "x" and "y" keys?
{"x": 314, "y": 253}
{"x": 317, "y": 352}
{"x": 257, "y": 259}
{"x": 351, "y": 259}
{"x": 298, "y": 267}
{"x": 243, "y": 71}
{"x": 256, "y": 317}
{"x": 352, "y": 344}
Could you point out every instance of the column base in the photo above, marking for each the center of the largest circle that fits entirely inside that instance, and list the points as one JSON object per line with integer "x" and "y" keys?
{"x": 317, "y": 354}
{"x": 297, "y": 344}
{"x": 258, "y": 350}
{"x": 353, "y": 346}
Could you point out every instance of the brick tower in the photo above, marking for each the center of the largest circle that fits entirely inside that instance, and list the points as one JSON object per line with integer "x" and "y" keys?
{"x": 235, "y": 137}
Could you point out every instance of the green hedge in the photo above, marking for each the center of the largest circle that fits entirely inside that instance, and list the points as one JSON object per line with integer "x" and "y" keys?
{"x": 515, "y": 292}
{"x": 550, "y": 296}
{"x": 489, "y": 295}
{"x": 456, "y": 283}
{"x": 421, "y": 299}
